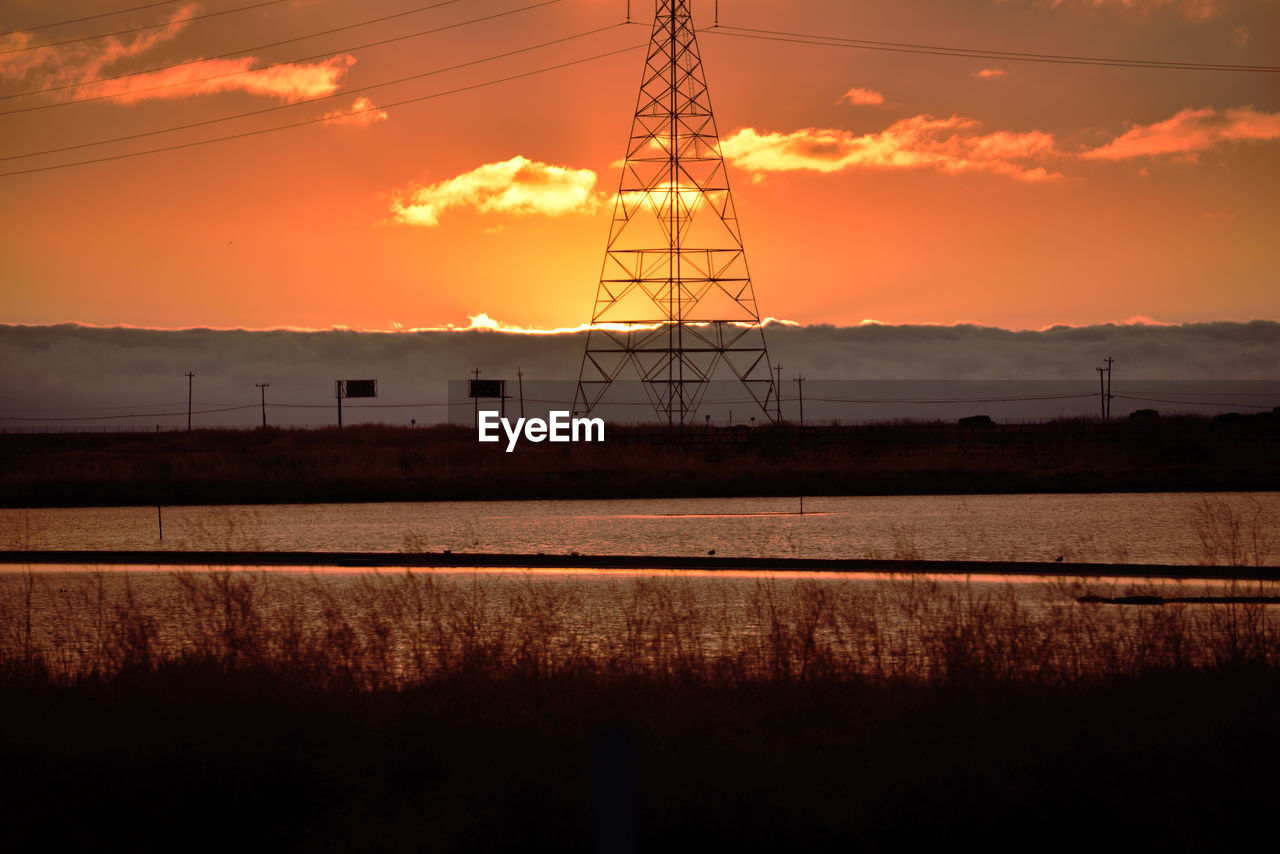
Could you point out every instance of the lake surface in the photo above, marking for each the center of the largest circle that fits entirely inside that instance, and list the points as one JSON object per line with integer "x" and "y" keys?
{"x": 1146, "y": 528}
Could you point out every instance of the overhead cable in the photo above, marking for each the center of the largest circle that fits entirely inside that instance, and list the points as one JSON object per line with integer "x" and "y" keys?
{"x": 143, "y": 28}
{"x": 87, "y": 18}
{"x": 152, "y": 69}
{"x": 321, "y": 119}
{"x": 972, "y": 53}
{"x": 340, "y": 94}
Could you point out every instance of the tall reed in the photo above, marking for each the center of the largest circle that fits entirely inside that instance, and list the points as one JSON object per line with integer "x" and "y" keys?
{"x": 384, "y": 631}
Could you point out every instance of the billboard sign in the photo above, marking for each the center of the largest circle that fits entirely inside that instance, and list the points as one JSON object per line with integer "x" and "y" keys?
{"x": 487, "y": 388}
{"x": 357, "y": 388}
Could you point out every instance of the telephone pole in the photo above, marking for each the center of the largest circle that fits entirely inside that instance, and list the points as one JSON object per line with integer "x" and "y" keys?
{"x": 520, "y": 381}
{"x": 1104, "y": 389}
{"x": 262, "y": 387}
{"x": 190, "y": 375}
{"x": 778, "y": 386}
{"x": 800, "y": 386}
{"x": 1102, "y": 394}
{"x": 1110, "y": 362}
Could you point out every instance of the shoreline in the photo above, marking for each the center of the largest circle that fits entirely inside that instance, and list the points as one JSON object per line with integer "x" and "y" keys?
{"x": 480, "y": 560}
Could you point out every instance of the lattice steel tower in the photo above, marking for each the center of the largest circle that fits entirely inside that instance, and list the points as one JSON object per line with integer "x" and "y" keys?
{"x": 675, "y": 298}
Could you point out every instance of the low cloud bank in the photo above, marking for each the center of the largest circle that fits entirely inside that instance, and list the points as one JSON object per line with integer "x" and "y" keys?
{"x": 71, "y": 376}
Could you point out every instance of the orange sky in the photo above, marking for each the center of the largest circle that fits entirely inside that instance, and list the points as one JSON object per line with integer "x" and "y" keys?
{"x": 870, "y": 185}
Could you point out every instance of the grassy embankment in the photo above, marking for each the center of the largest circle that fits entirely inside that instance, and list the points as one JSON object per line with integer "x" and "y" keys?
{"x": 412, "y": 712}
{"x": 447, "y": 463}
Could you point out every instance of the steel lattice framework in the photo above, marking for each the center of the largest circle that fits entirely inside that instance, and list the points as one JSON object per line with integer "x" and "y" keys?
{"x": 675, "y": 298}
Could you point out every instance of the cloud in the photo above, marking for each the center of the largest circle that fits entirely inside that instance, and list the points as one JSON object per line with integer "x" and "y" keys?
{"x": 1196, "y": 11}
{"x": 988, "y": 73}
{"x": 1189, "y": 132}
{"x": 80, "y": 64}
{"x": 951, "y": 145}
{"x": 518, "y": 186}
{"x": 57, "y": 371}
{"x": 74, "y": 63}
{"x": 291, "y": 82}
{"x": 863, "y": 96}
{"x": 363, "y": 113}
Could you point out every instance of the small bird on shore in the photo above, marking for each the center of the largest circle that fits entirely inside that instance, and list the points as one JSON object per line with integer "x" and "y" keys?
{"x": 713, "y": 551}
{"x": 1058, "y": 559}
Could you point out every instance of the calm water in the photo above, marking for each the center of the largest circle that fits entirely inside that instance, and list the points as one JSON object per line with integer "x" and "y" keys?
{"x": 1159, "y": 528}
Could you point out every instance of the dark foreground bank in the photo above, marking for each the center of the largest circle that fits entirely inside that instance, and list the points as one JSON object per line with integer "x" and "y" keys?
{"x": 193, "y": 758}
{"x": 447, "y": 463}
{"x": 414, "y": 712}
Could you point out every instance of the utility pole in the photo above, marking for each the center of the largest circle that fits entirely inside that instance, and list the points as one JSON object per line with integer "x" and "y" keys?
{"x": 520, "y": 380}
{"x": 1104, "y": 389}
{"x": 189, "y": 377}
{"x": 778, "y": 386}
{"x": 1110, "y": 362}
{"x": 475, "y": 401}
{"x": 1102, "y": 394}
{"x": 800, "y": 385}
{"x": 262, "y": 387}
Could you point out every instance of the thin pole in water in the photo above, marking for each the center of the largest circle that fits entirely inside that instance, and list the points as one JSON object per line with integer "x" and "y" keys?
{"x": 160, "y": 521}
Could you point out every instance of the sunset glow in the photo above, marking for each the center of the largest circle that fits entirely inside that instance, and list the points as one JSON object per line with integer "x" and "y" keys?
{"x": 370, "y": 178}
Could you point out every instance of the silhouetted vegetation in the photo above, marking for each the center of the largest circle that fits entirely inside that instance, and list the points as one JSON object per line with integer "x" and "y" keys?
{"x": 447, "y": 463}
{"x": 426, "y": 712}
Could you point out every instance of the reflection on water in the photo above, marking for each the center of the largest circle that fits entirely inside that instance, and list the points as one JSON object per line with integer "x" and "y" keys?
{"x": 1159, "y": 528}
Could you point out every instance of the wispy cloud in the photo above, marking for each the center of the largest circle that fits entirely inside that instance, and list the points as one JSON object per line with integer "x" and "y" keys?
{"x": 1196, "y": 11}
{"x": 74, "y": 63}
{"x": 518, "y": 186}
{"x": 291, "y": 82}
{"x": 863, "y": 96}
{"x": 989, "y": 73}
{"x": 79, "y": 65}
{"x": 1189, "y": 132}
{"x": 952, "y": 145}
{"x": 363, "y": 113}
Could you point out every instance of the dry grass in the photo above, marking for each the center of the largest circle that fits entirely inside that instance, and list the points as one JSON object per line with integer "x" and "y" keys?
{"x": 375, "y": 632}
{"x": 1233, "y": 530}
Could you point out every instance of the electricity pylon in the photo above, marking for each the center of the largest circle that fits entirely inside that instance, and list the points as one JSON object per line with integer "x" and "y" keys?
{"x": 675, "y": 299}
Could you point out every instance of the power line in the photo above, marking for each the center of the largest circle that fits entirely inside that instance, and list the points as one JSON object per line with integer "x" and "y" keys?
{"x": 1192, "y": 402}
{"x": 255, "y": 48}
{"x": 88, "y": 18}
{"x": 276, "y": 64}
{"x": 129, "y": 415}
{"x": 320, "y": 119}
{"x": 341, "y": 94}
{"x": 432, "y": 404}
{"x": 972, "y": 53}
{"x": 144, "y": 28}
{"x": 316, "y": 99}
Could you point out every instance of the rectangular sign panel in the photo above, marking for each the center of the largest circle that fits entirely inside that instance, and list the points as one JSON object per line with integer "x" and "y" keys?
{"x": 361, "y": 388}
{"x": 487, "y": 388}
